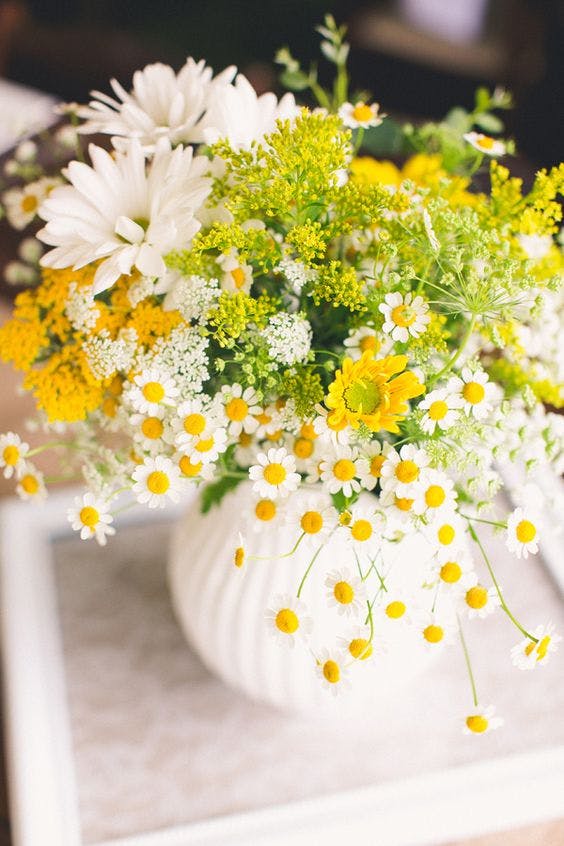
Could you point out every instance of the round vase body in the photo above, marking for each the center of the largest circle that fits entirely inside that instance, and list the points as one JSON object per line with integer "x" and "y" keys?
{"x": 222, "y": 609}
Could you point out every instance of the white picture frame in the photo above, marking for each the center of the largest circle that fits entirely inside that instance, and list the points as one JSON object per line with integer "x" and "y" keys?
{"x": 429, "y": 808}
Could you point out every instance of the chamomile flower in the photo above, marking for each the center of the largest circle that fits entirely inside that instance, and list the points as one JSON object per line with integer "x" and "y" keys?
{"x": 152, "y": 390}
{"x": 266, "y": 511}
{"x": 268, "y": 423}
{"x": 90, "y": 516}
{"x": 366, "y": 338}
{"x": 339, "y": 471}
{"x": 193, "y": 418}
{"x": 237, "y": 276}
{"x": 149, "y": 430}
{"x": 481, "y": 720}
{"x": 479, "y": 600}
{"x": 364, "y": 529}
{"x": 240, "y": 408}
{"x": 208, "y": 446}
{"x": 345, "y": 591}
{"x": 361, "y": 114}
{"x": 528, "y": 654}
{"x": 522, "y": 533}
{"x": 476, "y": 391}
{"x": 441, "y": 409}
{"x": 331, "y": 431}
{"x": 485, "y": 144}
{"x": 395, "y": 607}
{"x": 402, "y": 469}
{"x": 445, "y": 534}
{"x": 332, "y": 671}
{"x": 404, "y": 316}
{"x": 288, "y": 619}
{"x": 274, "y": 474}
{"x": 436, "y": 630}
{"x": 370, "y": 464}
{"x": 398, "y": 509}
{"x": 12, "y": 453}
{"x": 22, "y": 205}
{"x": 240, "y": 554}
{"x": 31, "y": 484}
{"x": 156, "y": 481}
{"x": 456, "y": 573}
{"x": 313, "y": 515}
{"x": 192, "y": 468}
{"x": 304, "y": 451}
{"x": 433, "y": 491}
{"x": 359, "y": 645}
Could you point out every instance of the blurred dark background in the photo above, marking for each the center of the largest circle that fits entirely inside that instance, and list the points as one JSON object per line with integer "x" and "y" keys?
{"x": 418, "y": 57}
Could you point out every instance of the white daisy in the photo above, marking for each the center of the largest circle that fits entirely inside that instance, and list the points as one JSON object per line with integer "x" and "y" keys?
{"x": 152, "y": 390}
{"x": 476, "y": 391}
{"x": 364, "y": 529}
{"x": 441, "y": 409}
{"x": 398, "y": 509}
{"x": 436, "y": 631}
{"x": 366, "y": 338}
{"x": 339, "y": 471}
{"x": 522, "y": 533}
{"x": 31, "y": 484}
{"x": 156, "y": 480}
{"x": 404, "y": 316}
{"x": 327, "y": 432}
{"x": 481, "y": 720}
{"x": 245, "y": 450}
{"x": 240, "y": 407}
{"x": 90, "y": 516}
{"x": 359, "y": 645}
{"x": 313, "y": 515}
{"x": 12, "y": 453}
{"x": 529, "y": 653}
{"x": 490, "y": 146}
{"x": 124, "y": 212}
{"x": 208, "y": 446}
{"x": 268, "y": 423}
{"x": 361, "y": 114}
{"x": 237, "y": 275}
{"x": 191, "y": 468}
{"x": 332, "y": 671}
{"x": 402, "y": 469}
{"x": 479, "y": 600}
{"x": 287, "y": 619}
{"x": 432, "y": 492}
{"x": 193, "y": 417}
{"x": 370, "y": 463}
{"x": 445, "y": 534}
{"x": 149, "y": 430}
{"x": 162, "y": 103}
{"x": 456, "y": 573}
{"x": 22, "y": 204}
{"x": 274, "y": 475}
{"x": 345, "y": 591}
{"x": 395, "y": 606}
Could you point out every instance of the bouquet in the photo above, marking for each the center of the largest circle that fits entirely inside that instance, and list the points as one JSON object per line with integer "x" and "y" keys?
{"x": 236, "y": 290}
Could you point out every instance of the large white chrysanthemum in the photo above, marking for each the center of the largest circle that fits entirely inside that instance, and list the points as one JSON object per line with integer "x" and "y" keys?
{"x": 124, "y": 211}
{"x": 161, "y": 103}
{"x": 236, "y": 113}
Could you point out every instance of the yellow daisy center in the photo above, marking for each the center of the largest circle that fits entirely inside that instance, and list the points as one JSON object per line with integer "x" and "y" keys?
{"x": 29, "y": 203}
{"x": 331, "y": 672}
{"x": 438, "y": 410}
{"x": 30, "y": 484}
{"x": 263, "y": 418}
{"x": 360, "y": 648}
{"x": 477, "y": 723}
{"x": 525, "y": 531}
{"x": 343, "y": 593}
{"x": 205, "y": 445}
{"x": 274, "y": 473}
{"x": 407, "y": 471}
{"x": 345, "y": 518}
{"x": 477, "y": 597}
{"x": 485, "y": 142}
{"x": 529, "y": 647}
{"x": 109, "y": 407}
{"x": 89, "y": 516}
{"x": 153, "y": 391}
{"x": 344, "y": 470}
{"x": 473, "y": 392}
{"x": 152, "y": 428}
{"x": 265, "y": 509}
{"x": 446, "y": 534}
{"x": 451, "y": 572}
{"x": 403, "y": 503}
{"x": 404, "y": 316}
{"x": 362, "y": 112}
{"x": 11, "y": 455}
{"x": 311, "y": 522}
{"x": 395, "y": 609}
{"x": 238, "y": 276}
{"x": 158, "y": 482}
{"x": 367, "y": 343}
{"x": 194, "y": 424}
{"x": 274, "y": 436}
{"x": 433, "y": 633}
{"x": 303, "y": 448}
{"x": 307, "y": 431}
{"x": 434, "y": 496}
{"x": 542, "y": 647}
{"x": 361, "y": 530}
{"x": 236, "y": 409}
{"x": 287, "y": 621}
{"x": 362, "y": 397}
{"x": 189, "y": 469}
{"x": 376, "y": 465}
{"x": 239, "y": 558}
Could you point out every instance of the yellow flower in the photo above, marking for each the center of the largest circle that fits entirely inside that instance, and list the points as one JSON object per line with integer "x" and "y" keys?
{"x": 365, "y": 392}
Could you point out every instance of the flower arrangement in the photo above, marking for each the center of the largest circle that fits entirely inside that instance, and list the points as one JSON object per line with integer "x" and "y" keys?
{"x": 235, "y": 292}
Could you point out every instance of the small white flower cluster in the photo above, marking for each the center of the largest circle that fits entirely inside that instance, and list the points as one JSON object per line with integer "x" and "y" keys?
{"x": 81, "y": 308}
{"x": 288, "y": 337}
{"x": 105, "y": 356}
{"x": 182, "y": 353}
{"x": 297, "y": 273}
{"x": 192, "y": 296}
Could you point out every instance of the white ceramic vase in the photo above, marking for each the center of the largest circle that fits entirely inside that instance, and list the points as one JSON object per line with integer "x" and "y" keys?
{"x": 221, "y": 610}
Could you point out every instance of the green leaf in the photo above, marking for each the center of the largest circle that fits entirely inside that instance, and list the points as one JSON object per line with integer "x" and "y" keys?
{"x": 294, "y": 80}
{"x": 488, "y": 122}
{"x": 213, "y": 493}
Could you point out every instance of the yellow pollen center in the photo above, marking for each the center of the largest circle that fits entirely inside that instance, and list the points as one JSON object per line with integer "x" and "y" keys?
{"x": 367, "y": 343}
{"x": 403, "y": 503}
{"x": 343, "y": 593}
{"x": 446, "y": 534}
{"x": 307, "y": 431}
{"x": 361, "y": 530}
{"x": 434, "y": 496}
{"x": 263, "y": 418}
{"x": 311, "y": 522}
{"x": 331, "y": 672}
{"x": 407, "y": 471}
{"x": 362, "y": 397}
{"x": 477, "y": 723}
{"x": 525, "y": 531}
{"x": 287, "y": 621}
{"x": 303, "y": 448}
{"x": 194, "y": 424}
{"x": 362, "y": 112}
{"x": 344, "y": 470}
{"x": 11, "y": 455}
{"x": 433, "y": 634}
{"x": 274, "y": 473}
{"x": 245, "y": 439}
{"x": 438, "y": 410}
{"x": 238, "y": 276}
{"x": 451, "y": 572}
{"x": 274, "y": 436}
{"x": 542, "y": 647}
{"x": 529, "y": 647}
{"x": 404, "y": 316}
{"x": 153, "y": 391}
{"x": 29, "y": 203}
{"x": 152, "y": 428}
{"x": 376, "y": 465}
{"x": 239, "y": 558}
{"x": 360, "y": 648}
{"x": 189, "y": 469}
{"x": 89, "y": 516}
{"x": 265, "y": 509}
{"x": 30, "y": 484}
{"x": 395, "y": 609}
{"x": 473, "y": 392}
{"x": 345, "y": 518}
{"x": 205, "y": 445}
{"x": 485, "y": 142}
{"x": 477, "y": 597}
{"x": 237, "y": 409}
{"x": 158, "y": 482}
{"x": 109, "y": 407}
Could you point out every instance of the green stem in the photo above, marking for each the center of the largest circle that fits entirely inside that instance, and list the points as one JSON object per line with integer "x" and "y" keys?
{"x": 51, "y": 445}
{"x": 359, "y": 139}
{"x": 308, "y": 570}
{"x": 452, "y": 361}
{"x": 495, "y": 523}
{"x": 468, "y": 662}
